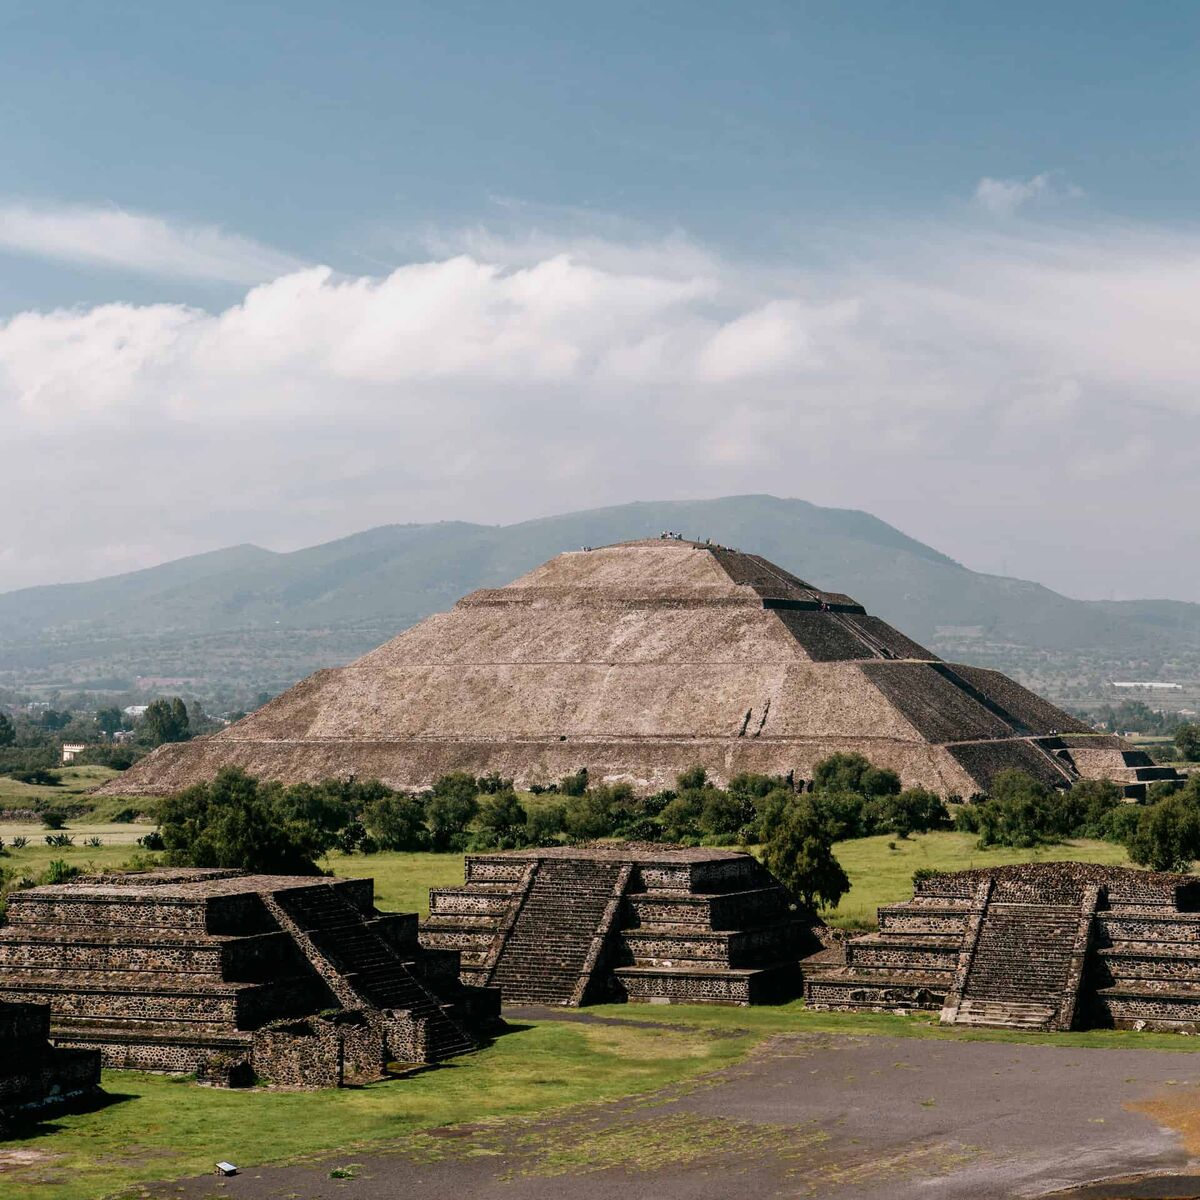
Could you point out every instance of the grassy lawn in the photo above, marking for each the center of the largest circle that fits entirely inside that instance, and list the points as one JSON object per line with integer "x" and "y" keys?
{"x": 163, "y": 1128}
{"x": 402, "y": 880}
{"x": 75, "y": 782}
{"x": 881, "y": 868}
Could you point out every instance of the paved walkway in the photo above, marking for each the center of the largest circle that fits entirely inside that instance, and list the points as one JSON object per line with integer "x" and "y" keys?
{"x": 849, "y": 1118}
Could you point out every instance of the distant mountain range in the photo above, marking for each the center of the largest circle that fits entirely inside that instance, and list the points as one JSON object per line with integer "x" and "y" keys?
{"x": 245, "y": 618}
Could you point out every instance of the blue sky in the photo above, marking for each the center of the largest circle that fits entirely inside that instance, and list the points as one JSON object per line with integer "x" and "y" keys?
{"x": 897, "y": 207}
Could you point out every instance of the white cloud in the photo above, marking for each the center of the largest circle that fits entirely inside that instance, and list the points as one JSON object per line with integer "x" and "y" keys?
{"x": 138, "y": 243}
{"x": 954, "y": 382}
{"x": 1003, "y": 197}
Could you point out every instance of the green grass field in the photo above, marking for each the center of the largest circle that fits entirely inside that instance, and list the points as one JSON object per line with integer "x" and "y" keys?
{"x": 164, "y": 1128}
{"x": 881, "y": 868}
{"x": 76, "y": 781}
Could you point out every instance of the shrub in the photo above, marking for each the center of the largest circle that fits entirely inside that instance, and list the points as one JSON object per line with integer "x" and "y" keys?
{"x": 152, "y": 841}
{"x": 1187, "y": 742}
{"x": 58, "y": 871}
{"x": 450, "y": 808}
{"x": 53, "y": 818}
{"x": 502, "y": 823}
{"x": 397, "y": 822}
{"x": 235, "y": 821}
{"x": 1166, "y": 836}
{"x": 799, "y": 853}
{"x": 41, "y": 776}
{"x": 574, "y": 785}
{"x": 544, "y": 824}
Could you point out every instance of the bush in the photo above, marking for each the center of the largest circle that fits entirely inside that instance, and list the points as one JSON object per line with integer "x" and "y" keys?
{"x": 450, "y": 808}
{"x": 1166, "y": 836}
{"x": 574, "y": 785}
{"x": 799, "y": 853}
{"x": 58, "y": 871}
{"x": 235, "y": 821}
{"x": 53, "y": 818}
{"x": 152, "y": 841}
{"x": 544, "y": 824}
{"x": 1187, "y": 742}
{"x": 502, "y": 823}
{"x": 396, "y": 822}
{"x": 41, "y": 776}
{"x": 854, "y": 773}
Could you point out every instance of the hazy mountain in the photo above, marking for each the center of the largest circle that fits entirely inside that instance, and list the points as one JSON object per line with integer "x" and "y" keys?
{"x": 247, "y": 617}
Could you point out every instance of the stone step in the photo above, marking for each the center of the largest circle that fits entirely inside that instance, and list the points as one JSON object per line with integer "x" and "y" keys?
{"x": 1006, "y": 1014}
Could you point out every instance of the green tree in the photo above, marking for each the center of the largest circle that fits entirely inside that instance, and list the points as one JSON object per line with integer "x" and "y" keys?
{"x": 1166, "y": 836}
{"x": 108, "y": 720}
{"x": 853, "y": 773}
{"x": 913, "y": 810}
{"x": 450, "y": 808}
{"x": 799, "y": 853}
{"x": 396, "y": 822}
{"x": 164, "y": 721}
{"x": 8, "y": 731}
{"x": 1187, "y": 742}
{"x": 544, "y": 823}
{"x": 502, "y": 823}
{"x": 236, "y": 821}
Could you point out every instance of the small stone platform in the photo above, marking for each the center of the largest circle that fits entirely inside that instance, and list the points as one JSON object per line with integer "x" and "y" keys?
{"x": 294, "y": 980}
{"x": 35, "y": 1077}
{"x": 579, "y": 925}
{"x": 1051, "y": 946}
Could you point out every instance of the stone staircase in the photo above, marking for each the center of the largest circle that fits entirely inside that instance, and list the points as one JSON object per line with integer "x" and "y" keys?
{"x": 638, "y": 923}
{"x": 544, "y": 957}
{"x": 370, "y": 966}
{"x": 172, "y": 970}
{"x": 1021, "y": 966}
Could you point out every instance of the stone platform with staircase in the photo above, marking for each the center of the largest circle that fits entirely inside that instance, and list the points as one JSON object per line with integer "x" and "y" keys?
{"x": 297, "y": 981}
{"x": 657, "y": 924}
{"x": 1048, "y": 946}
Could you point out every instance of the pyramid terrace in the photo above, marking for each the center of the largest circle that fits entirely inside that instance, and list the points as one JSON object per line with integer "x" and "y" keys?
{"x": 654, "y": 924}
{"x": 296, "y": 981}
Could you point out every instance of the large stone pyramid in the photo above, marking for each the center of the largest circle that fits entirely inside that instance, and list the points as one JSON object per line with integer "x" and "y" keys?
{"x": 637, "y": 661}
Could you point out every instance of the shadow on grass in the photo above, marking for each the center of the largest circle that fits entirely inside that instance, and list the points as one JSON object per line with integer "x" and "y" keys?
{"x": 24, "y": 1127}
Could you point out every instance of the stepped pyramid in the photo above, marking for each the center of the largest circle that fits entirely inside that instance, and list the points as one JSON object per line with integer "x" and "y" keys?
{"x": 296, "y": 980}
{"x": 585, "y": 924}
{"x": 1053, "y": 946}
{"x": 638, "y": 661}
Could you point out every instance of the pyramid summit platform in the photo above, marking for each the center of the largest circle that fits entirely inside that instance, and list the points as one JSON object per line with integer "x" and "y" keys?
{"x": 638, "y": 661}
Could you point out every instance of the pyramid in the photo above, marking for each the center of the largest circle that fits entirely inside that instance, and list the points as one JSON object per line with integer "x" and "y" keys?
{"x": 637, "y": 661}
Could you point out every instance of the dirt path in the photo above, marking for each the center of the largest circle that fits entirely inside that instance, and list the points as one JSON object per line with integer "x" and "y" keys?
{"x": 850, "y": 1118}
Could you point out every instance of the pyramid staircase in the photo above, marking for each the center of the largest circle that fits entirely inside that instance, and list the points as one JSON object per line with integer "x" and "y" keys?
{"x": 658, "y": 925}
{"x": 174, "y": 970}
{"x": 364, "y": 966}
{"x": 570, "y": 904}
{"x": 1020, "y": 975}
{"x": 1048, "y": 946}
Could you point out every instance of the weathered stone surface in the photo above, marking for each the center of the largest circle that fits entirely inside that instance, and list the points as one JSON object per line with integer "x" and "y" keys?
{"x": 35, "y": 1077}
{"x": 639, "y": 661}
{"x": 573, "y": 925}
{"x": 185, "y": 970}
{"x": 1045, "y": 945}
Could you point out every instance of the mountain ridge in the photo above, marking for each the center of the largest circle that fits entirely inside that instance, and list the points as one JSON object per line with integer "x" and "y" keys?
{"x": 339, "y": 598}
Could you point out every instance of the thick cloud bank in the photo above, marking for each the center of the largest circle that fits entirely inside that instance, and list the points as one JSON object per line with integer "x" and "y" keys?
{"x": 1026, "y": 400}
